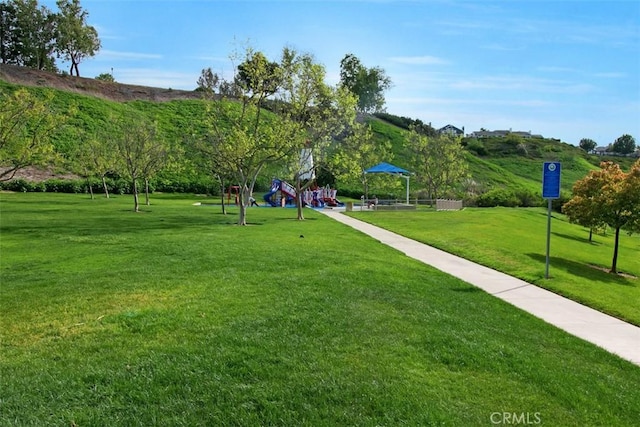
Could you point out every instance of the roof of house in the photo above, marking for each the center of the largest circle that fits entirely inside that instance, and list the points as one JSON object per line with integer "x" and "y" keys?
{"x": 450, "y": 128}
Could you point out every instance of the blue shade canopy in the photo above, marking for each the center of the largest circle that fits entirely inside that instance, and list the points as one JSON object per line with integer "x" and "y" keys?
{"x": 393, "y": 170}
{"x": 387, "y": 168}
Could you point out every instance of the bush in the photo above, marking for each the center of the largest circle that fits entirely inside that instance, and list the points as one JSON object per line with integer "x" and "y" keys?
{"x": 477, "y": 147}
{"x": 18, "y": 185}
{"x": 528, "y": 198}
{"x": 65, "y": 186}
{"x": 498, "y": 197}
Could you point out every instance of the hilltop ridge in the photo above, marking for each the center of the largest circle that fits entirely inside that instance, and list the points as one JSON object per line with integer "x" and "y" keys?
{"x": 87, "y": 86}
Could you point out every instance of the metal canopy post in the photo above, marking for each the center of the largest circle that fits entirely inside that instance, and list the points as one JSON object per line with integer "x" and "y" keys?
{"x": 407, "y": 188}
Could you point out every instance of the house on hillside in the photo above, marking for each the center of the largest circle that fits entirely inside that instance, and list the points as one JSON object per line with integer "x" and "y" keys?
{"x": 600, "y": 151}
{"x": 451, "y": 131}
{"x": 503, "y": 133}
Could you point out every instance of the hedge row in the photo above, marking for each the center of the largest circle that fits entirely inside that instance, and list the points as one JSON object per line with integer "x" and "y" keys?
{"x": 115, "y": 186}
{"x": 515, "y": 198}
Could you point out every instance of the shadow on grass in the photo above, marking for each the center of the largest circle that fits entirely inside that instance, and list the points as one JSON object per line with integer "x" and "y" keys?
{"x": 581, "y": 270}
{"x": 575, "y": 238}
{"x": 471, "y": 289}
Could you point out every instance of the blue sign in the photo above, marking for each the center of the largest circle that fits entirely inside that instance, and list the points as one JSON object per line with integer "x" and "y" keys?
{"x": 551, "y": 180}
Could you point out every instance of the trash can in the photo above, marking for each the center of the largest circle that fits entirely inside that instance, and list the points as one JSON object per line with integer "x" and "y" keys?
{"x": 349, "y": 206}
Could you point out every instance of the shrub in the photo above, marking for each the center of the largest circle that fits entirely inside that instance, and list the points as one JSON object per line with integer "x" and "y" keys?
{"x": 18, "y": 185}
{"x": 528, "y": 198}
{"x": 497, "y": 197}
{"x": 477, "y": 147}
{"x": 65, "y": 186}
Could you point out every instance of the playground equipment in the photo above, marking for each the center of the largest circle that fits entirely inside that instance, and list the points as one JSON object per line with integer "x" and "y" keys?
{"x": 320, "y": 197}
{"x": 287, "y": 193}
{"x": 317, "y": 197}
{"x": 235, "y": 189}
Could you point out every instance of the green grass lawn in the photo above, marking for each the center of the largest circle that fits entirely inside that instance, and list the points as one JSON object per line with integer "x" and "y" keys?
{"x": 514, "y": 241}
{"x": 176, "y": 317}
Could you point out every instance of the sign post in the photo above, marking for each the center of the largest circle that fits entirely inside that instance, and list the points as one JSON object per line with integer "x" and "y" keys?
{"x": 550, "y": 190}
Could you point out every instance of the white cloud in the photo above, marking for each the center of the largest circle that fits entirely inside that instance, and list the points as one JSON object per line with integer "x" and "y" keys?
{"x": 112, "y": 55}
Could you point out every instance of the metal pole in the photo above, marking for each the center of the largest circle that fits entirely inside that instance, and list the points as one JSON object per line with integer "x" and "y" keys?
{"x": 546, "y": 273}
{"x": 407, "y": 190}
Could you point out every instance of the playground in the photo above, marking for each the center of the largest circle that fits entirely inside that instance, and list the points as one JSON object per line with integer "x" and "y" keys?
{"x": 283, "y": 194}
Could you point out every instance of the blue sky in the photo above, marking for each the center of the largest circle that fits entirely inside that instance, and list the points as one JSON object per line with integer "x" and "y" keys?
{"x": 563, "y": 69}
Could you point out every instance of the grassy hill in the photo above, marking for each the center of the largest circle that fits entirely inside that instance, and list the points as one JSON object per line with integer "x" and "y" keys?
{"x": 509, "y": 164}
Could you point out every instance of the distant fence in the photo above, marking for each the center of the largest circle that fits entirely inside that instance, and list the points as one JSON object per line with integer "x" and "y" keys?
{"x": 399, "y": 204}
{"x": 448, "y": 205}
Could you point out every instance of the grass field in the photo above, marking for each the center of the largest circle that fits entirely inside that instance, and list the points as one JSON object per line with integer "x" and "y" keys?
{"x": 514, "y": 241}
{"x": 176, "y": 317}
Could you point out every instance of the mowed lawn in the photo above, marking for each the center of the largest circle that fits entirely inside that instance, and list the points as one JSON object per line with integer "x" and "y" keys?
{"x": 176, "y": 317}
{"x": 514, "y": 241}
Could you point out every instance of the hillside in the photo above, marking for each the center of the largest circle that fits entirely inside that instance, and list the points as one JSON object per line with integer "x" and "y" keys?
{"x": 510, "y": 163}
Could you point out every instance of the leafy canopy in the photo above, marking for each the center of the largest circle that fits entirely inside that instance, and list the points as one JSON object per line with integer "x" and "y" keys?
{"x": 607, "y": 196}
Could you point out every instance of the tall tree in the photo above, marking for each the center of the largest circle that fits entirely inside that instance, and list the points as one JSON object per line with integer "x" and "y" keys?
{"x": 26, "y": 125}
{"x": 438, "y": 162}
{"x": 27, "y": 34}
{"x": 75, "y": 39}
{"x": 608, "y": 196}
{"x": 625, "y": 144}
{"x": 587, "y": 144}
{"x": 8, "y": 32}
{"x": 368, "y": 84}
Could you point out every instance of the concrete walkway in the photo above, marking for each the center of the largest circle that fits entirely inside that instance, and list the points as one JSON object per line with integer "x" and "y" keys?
{"x": 603, "y": 330}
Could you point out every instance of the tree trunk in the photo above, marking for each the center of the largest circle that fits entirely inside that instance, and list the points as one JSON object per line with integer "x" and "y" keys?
{"x": 104, "y": 187}
{"x": 299, "y": 199}
{"x": 591, "y": 235}
{"x": 146, "y": 191}
{"x": 90, "y": 188}
{"x": 136, "y": 202}
{"x": 224, "y": 208}
{"x": 242, "y": 204}
{"x": 614, "y": 263}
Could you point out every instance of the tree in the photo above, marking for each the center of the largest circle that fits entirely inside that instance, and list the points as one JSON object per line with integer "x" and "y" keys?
{"x": 357, "y": 151}
{"x": 244, "y": 137}
{"x": 208, "y": 81}
{"x": 94, "y": 157}
{"x": 139, "y": 147}
{"x": 75, "y": 39}
{"x": 587, "y": 144}
{"x": 26, "y": 124}
{"x": 584, "y": 208}
{"x": 368, "y": 84}
{"x": 8, "y": 32}
{"x": 321, "y": 110}
{"x": 607, "y": 196}
{"x": 27, "y": 34}
{"x": 625, "y": 144}
{"x": 438, "y": 162}
{"x": 106, "y": 77}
